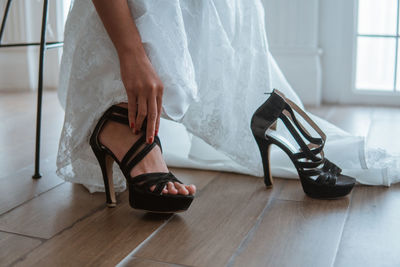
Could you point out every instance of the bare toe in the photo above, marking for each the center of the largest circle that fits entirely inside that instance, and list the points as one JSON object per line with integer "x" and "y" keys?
{"x": 152, "y": 188}
{"x": 171, "y": 189}
{"x": 181, "y": 188}
{"x": 165, "y": 190}
{"x": 191, "y": 188}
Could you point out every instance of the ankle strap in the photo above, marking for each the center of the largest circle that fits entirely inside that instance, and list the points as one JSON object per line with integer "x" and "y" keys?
{"x": 129, "y": 161}
{"x": 118, "y": 114}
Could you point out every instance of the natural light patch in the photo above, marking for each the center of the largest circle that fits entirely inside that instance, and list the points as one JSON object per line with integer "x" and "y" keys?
{"x": 375, "y": 63}
{"x": 377, "y": 17}
{"x": 377, "y": 45}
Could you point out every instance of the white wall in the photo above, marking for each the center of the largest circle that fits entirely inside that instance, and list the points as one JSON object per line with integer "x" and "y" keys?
{"x": 305, "y": 37}
{"x": 337, "y": 25}
{"x": 293, "y": 35}
{"x": 19, "y": 66}
{"x": 292, "y": 30}
{"x": 13, "y": 61}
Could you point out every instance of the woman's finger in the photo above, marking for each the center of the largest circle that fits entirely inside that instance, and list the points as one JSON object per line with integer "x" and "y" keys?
{"x": 151, "y": 119}
{"x": 132, "y": 108}
{"x": 159, "y": 107}
{"x": 141, "y": 113}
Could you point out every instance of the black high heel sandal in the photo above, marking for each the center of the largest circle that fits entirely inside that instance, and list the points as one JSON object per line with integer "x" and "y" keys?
{"x": 309, "y": 161}
{"x": 140, "y": 196}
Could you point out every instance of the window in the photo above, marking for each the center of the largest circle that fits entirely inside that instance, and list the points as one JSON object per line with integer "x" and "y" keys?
{"x": 377, "y": 60}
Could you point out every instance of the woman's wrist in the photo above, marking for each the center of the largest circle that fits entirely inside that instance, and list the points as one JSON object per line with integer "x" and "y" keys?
{"x": 133, "y": 59}
{"x": 135, "y": 51}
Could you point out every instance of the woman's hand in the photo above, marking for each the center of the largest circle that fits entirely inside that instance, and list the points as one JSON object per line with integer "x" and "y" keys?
{"x": 144, "y": 90}
{"x": 143, "y": 87}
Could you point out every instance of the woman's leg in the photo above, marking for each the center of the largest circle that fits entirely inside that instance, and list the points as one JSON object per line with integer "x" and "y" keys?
{"x": 119, "y": 138}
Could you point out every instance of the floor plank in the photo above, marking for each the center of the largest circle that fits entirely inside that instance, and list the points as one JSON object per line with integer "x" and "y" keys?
{"x": 102, "y": 239}
{"x": 293, "y": 233}
{"x": 353, "y": 119}
{"x": 20, "y": 131}
{"x": 291, "y": 189}
{"x": 385, "y": 130}
{"x": 371, "y": 234}
{"x": 213, "y": 228}
{"x": 107, "y": 236}
{"x": 19, "y": 187}
{"x": 200, "y": 178}
{"x": 12, "y": 163}
{"x": 18, "y": 123}
{"x": 138, "y": 262}
{"x": 52, "y": 212}
{"x": 19, "y": 103}
{"x": 234, "y": 219}
{"x": 15, "y": 246}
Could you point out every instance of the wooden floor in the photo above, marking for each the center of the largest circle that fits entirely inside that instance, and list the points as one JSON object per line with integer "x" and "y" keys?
{"x": 234, "y": 221}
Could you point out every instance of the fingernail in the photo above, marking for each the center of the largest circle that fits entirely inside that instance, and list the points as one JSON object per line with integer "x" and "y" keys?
{"x": 156, "y": 133}
{"x": 132, "y": 125}
{"x": 150, "y": 140}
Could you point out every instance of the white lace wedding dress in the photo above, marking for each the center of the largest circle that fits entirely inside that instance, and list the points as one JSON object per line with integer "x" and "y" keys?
{"x": 213, "y": 59}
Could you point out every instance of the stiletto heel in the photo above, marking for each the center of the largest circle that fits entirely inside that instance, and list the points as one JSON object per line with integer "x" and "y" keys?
{"x": 319, "y": 177}
{"x": 265, "y": 149}
{"x": 106, "y": 163}
{"x": 140, "y": 196}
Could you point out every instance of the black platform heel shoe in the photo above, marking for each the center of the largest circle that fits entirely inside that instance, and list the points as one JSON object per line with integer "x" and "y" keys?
{"x": 319, "y": 177}
{"x": 140, "y": 196}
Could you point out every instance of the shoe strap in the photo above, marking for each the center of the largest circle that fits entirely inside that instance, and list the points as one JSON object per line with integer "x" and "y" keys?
{"x": 133, "y": 150}
{"x": 289, "y": 118}
{"x": 288, "y": 112}
{"x": 119, "y": 110}
{"x": 129, "y": 161}
{"x": 158, "y": 142}
{"x": 328, "y": 172}
{"x": 305, "y": 149}
{"x": 302, "y": 154}
{"x": 304, "y": 115}
{"x": 116, "y": 118}
{"x": 121, "y": 116}
{"x": 160, "y": 179}
{"x": 309, "y": 165}
{"x": 134, "y": 161}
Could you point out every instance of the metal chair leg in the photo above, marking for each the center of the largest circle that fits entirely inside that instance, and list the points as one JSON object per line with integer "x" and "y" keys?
{"x": 3, "y": 22}
{"x": 37, "y": 174}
